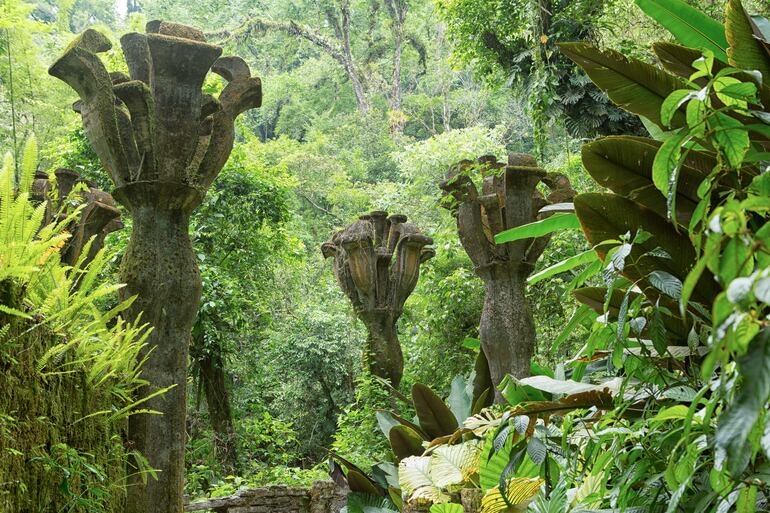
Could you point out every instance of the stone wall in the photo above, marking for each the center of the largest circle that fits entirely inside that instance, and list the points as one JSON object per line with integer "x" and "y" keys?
{"x": 323, "y": 497}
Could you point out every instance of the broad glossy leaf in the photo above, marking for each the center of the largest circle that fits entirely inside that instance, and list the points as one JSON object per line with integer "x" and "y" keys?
{"x": 454, "y": 464}
{"x": 586, "y": 257}
{"x": 736, "y": 423}
{"x": 633, "y": 85}
{"x": 482, "y": 383}
{"x": 405, "y": 442}
{"x": 436, "y": 419}
{"x": 690, "y": 26}
{"x": 624, "y": 165}
{"x": 460, "y": 399}
{"x": 554, "y": 223}
{"x": 746, "y": 51}
{"x": 608, "y": 216}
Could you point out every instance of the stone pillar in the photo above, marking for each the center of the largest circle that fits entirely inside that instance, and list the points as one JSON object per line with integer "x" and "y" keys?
{"x": 163, "y": 142}
{"x": 377, "y": 263}
{"x": 509, "y": 198}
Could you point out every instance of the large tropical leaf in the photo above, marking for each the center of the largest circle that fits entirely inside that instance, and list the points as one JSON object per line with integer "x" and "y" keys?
{"x": 678, "y": 60}
{"x": 609, "y": 216}
{"x": 460, "y": 398}
{"x": 483, "y": 388}
{"x": 556, "y": 222}
{"x": 455, "y": 464}
{"x": 690, "y": 26}
{"x": 519, "y": 492}
{"x": 600, "y": 399}
{"x": 415, "y": 478}
{"x": 405, "y": 442}
{"x": 367, "y": 503}
{"x": 746, "y": 50}
{"x": 586, "y": 257}
{"x": 436, "y": 419}
{"x": 633, "y": 85}
{"x": 625, "y": 165}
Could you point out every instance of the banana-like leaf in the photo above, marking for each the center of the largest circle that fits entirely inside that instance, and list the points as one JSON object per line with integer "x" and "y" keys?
{"x": 586, "y": 257}
{"x": 436, "y": 419}
{"x": 405, "y": 442}
{"x": 689, "y": 25}
{"x": 455, "y": 464}
{"x": 624, "y": 165}
{"x": 556, "y": 222}
{"x": 557, "y": 386}
{"x": 746, "y": 51}
{"x": 678, "y": 60}
{"x": 404, "y": 422}
{"x": 633, "y": 85}
{"x": 609, "y": 216}
{"x": 519, "y": 492}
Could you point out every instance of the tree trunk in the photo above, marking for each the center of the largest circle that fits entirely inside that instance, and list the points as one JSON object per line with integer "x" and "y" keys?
{"x": 159, "y": 267}
{"x": 507, "y": 329}
{"x": 384, "y": 356}
{"x": 214, "y": 384}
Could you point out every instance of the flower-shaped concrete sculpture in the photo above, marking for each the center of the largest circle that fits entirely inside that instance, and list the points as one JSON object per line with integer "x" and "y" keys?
{"x": 509, "y": 198}
{"x": 163, "y": 142}
{"x": 377, "y": 263}
{"x": 98, "y": 218}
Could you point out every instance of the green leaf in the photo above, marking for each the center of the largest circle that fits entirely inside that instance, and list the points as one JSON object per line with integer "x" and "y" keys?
{"x": 386, "y": 422}
{"x": 672, "y": 104}
{"x": 688, "y": 25}
{"x": 747, "y": 500}
{"x": 436, "y": 419}
{"x": 460, "y": 400}
{"x": 678, "y": 412}
{"x": 633, "y": 85}
{"x": 667, "y": 283}
{"x": 536, "y": 451}
{"x": 666, "y": 164}
{"x": 746, "y": 51}
{"x": 556, "y": 222}
{"x": 446, "y": 508}
{"x": 736, "y": 423}
{"x": 369, "y": 503}
{"x": 731, "y": 137}
{"x": 586, "y": 257}
{"x": 405, "y": 442}
{"x": 606, "y": 217}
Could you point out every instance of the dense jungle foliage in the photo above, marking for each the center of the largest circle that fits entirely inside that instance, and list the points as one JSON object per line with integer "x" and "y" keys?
{"x": 650, "y": 376}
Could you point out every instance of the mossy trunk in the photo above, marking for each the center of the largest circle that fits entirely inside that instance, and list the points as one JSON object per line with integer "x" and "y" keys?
{"x": 214, "y": 382}
{"x": 159, "y": 268}
{"x": 41, "y": 417}
{"x": 384, "y": 356}
{"x": 507, "y": 329}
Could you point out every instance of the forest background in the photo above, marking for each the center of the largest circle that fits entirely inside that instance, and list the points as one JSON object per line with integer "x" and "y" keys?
{"x": 366, "y": 104}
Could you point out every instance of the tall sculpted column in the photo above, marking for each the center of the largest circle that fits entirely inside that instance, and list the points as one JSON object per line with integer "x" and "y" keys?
{"x": 163, "y": 142}
{"x": 509, "y": 198}
{"x": 377, "y": 263}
